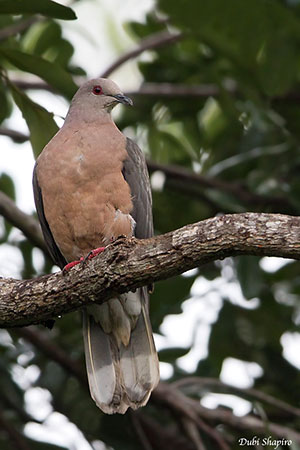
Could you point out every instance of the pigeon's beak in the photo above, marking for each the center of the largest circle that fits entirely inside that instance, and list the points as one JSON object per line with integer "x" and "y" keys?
{"x": 121, "y": 98}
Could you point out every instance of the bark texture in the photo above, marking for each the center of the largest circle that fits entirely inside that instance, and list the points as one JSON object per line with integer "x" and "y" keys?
{"x": 131, "y": 263}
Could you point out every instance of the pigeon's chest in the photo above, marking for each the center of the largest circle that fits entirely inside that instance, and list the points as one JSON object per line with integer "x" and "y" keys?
{"x": 81, "y": 162}
{"x": 84, "y": 192}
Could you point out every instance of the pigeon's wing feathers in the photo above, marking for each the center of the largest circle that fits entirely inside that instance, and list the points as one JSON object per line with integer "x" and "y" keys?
{"x": 136, "y": 175}
{"x": 50, "y": 242}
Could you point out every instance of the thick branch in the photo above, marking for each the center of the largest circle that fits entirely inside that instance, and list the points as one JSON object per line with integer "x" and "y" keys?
{"x": 128, "y": 264}
{"x": 29, "y": 226}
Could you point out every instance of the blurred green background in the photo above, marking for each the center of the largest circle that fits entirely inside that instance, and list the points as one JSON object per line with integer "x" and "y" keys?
{"x": 218, "y": 116}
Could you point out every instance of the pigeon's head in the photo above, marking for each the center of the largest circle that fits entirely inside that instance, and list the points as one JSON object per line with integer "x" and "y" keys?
{"x": 97, "y": 97}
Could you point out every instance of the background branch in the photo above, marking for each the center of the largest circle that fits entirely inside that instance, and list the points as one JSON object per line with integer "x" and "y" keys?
{"x": 192, "y": 385}
{"x": 175, "y": 90}
{"x": 26, "y": 223}
{"x": 15, "y": 135}
{"x": 191, "y": 180}
{"x": 166, "y": 395}
{"x": 43, "y": 343}
{"x": 130, "y": 263}
{"x": 154, "y": 41}
{"x": 184, "y": 408}
{"x": 163, "y": 90}
{"x": 192, "y": 183}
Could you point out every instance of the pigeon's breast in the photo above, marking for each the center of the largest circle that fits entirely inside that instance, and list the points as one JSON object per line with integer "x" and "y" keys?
{"x": 87, "y": 201}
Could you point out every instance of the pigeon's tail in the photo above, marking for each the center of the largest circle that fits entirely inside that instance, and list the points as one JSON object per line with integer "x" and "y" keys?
{"x": 121, "y": 359}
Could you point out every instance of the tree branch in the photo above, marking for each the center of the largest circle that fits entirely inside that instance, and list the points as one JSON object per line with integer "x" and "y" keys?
{"x": 194, "y": 383}
{"x": 15, "y": 135}
{"x": 167, "y": 395}
{"x": 26, "y": 223}
{"x": 130, "y": 263}
{"x": 167, "y": 90}
{"x": 191, "y": 181}
{"x": 156, "y": 40}
{"x": 172, "y": 90}
{"x": 175, "y": 90}
{"x": 52, "y": 351}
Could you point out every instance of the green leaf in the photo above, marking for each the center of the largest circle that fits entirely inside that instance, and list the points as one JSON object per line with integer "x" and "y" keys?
{"x": 7, "y": 186}
{"x": 249, "y": 275}
{"x": 41, "y": 36}
{"x": 61, "y": 54}
{"x": 44, "y": 7}
{"x": 168, "y": 296}
{"x": 5, "y": 105}
{"x": 278, "y": 65}
{"x": 52, "y": 73}
{"x": 40, "y": 122}
{"x": 239, "y": 31}
{"x": 172, "y": 353}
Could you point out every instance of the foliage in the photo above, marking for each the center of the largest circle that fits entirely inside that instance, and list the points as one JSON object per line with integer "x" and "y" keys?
{"x": 245, "y": 134}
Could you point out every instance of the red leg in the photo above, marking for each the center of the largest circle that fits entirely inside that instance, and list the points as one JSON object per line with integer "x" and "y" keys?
{"x": 72, "y": 264}
{"x": 90, "y": 255}
{"x": 95, "y": 252}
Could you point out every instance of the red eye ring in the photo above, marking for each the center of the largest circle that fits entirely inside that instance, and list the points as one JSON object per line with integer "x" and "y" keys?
{"x": 97, "y": 90}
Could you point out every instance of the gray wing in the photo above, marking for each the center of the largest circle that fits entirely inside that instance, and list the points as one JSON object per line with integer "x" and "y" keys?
{"x": 136, "y": 175}
{"x": 50, "y": 242}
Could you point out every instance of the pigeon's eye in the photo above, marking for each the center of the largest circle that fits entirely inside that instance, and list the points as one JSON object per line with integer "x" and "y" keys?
{"x": 97, "y": 90}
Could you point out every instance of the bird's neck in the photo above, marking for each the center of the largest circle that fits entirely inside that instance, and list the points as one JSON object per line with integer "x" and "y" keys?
{"x": 87, "y": 115}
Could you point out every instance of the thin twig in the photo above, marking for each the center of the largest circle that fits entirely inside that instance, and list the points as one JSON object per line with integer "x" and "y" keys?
{"x": 192, "y": 432}
{"x": 152, "y": 42}
{"x": 213, "y": 433}
{"x": 191, "y": 181}
{"x": 142, "y": 437}
{"x": 159, "y": 435}
{"x": 172, "y": 90}
{"x": 42, "y": 342}
{"x": 175, "y": 90}
{"x": 162, "y": 436}
{"x": 16, "y": 136}
{"x": 185, "y": 407}
{"x": 261, "y": 396}
{"x": 177, "y": 173}
{"x": 169, "y": 396}
{"x": 174, "y": 399}
{"x": 166, "y": 90}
